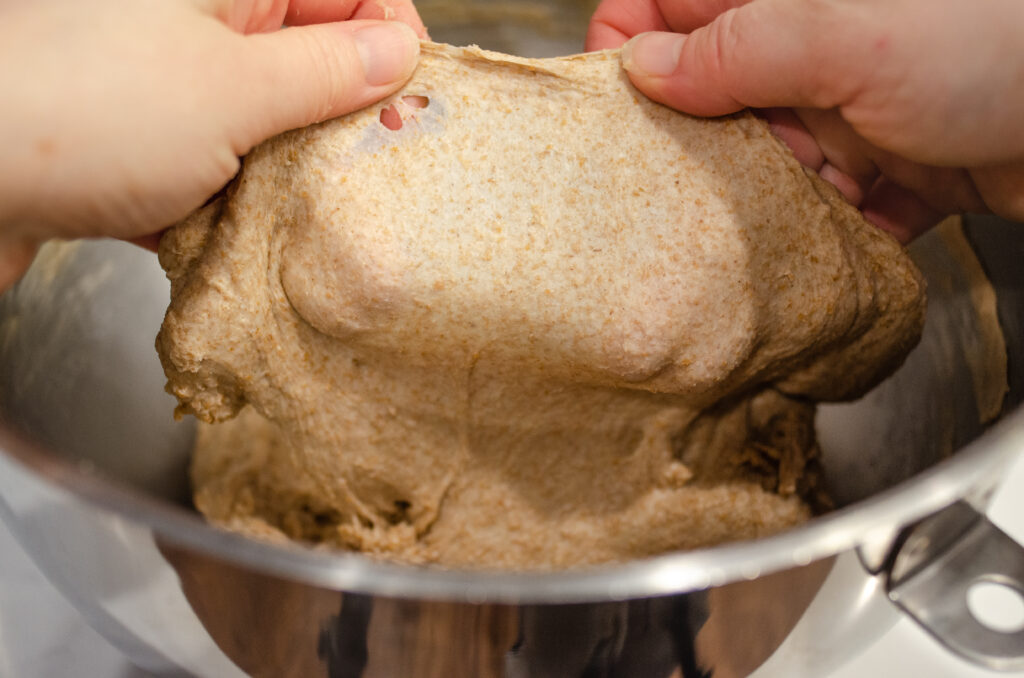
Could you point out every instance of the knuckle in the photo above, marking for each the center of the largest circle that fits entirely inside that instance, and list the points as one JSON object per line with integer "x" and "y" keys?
{"x": 722, "y": 53}
{"x": 332, "y": 74}
{"x": 724, "y": 38}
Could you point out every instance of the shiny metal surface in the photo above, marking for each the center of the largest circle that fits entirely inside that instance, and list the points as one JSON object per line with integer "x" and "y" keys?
{"x": 92, "y": 482}
{"x": 379, "y": 637}
{"x": 934, "y": 569}
{"x": 107, "y": 565}
{"x": 41, "y": 634}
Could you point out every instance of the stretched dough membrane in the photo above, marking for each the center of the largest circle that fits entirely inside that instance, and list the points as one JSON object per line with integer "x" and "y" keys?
{"x": 526, "y": 318}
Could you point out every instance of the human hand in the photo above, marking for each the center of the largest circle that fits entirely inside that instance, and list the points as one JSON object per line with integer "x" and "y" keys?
{"x": 913, "y": 109}
{"x": 121, "y": 116}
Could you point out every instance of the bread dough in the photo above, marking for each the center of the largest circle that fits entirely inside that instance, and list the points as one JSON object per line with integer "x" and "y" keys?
{"x": 520, "y": 316}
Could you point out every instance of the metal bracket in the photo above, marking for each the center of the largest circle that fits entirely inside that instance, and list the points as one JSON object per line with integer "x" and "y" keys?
{"x": 936, "y": 564}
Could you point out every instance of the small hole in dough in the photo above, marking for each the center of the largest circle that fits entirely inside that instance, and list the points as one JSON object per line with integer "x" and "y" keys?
{"x": 401, "y": 512}
{"x": 390, "y": 118}
{"x": 416, "y": 101}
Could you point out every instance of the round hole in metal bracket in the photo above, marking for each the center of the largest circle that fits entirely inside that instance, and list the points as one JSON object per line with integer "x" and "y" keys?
{"x": 996, "y": 605}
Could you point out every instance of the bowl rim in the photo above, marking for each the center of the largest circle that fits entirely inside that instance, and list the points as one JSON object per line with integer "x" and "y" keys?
{"x": 976, "y": 466}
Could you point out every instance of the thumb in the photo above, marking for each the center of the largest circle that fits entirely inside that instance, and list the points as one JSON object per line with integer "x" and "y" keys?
{"x": 763, "y": 54}
{"x": 298, "y": 76}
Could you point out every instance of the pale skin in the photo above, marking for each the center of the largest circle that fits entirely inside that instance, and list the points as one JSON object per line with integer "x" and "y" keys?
{"x": 119, "y": 117}
{"x": 914, "y": 109}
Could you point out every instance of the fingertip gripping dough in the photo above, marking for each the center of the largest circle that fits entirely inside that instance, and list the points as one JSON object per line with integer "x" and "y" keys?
{"x": 525, "y": 318}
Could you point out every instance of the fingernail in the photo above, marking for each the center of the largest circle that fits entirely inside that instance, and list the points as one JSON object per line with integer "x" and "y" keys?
{"x": 653, "y": 54}
{"x": 387, "y": 50}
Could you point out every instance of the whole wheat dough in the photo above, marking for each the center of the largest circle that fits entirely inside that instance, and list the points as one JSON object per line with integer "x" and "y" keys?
{"x": 544, "y": 323}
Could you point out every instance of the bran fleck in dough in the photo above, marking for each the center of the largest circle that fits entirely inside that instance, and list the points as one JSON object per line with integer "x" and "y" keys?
{"x": 544, "y": 323}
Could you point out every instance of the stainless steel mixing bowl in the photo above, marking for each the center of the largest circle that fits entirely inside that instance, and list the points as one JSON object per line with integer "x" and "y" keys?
{"x": 93, "y": 484}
